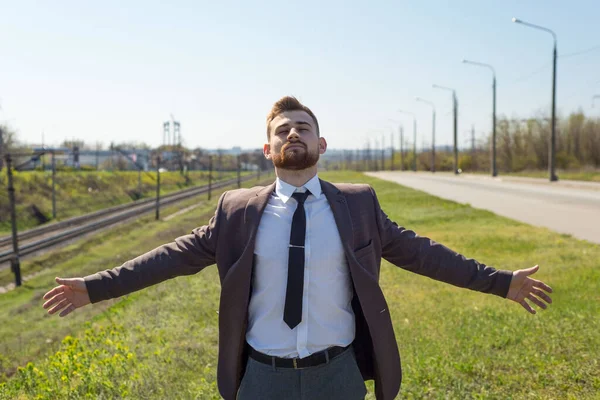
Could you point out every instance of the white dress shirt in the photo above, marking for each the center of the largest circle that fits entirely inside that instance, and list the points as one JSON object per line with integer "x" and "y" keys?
{"x": 327, "y": 316}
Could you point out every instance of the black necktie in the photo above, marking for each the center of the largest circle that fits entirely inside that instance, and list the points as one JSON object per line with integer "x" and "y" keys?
{"x": 292, "y": 313}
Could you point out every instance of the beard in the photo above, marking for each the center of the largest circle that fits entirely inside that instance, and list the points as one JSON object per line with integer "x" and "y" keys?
{"x": 295, "y": 159}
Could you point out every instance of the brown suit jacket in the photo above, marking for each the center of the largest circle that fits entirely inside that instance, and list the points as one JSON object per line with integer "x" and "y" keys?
{"x": 367, "y": 235}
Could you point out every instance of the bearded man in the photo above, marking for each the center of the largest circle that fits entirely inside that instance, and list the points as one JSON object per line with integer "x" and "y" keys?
{"x": 301, "y": 314}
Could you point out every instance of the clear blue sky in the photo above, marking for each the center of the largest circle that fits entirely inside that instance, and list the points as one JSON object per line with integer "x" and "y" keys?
{"x": 114, "y": 71}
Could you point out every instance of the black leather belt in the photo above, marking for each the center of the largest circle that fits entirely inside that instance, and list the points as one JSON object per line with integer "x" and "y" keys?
{"x": 322, "y": 357}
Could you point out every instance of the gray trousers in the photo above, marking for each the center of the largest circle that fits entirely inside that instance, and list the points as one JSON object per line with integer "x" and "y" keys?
{"x": 338, "y": 379}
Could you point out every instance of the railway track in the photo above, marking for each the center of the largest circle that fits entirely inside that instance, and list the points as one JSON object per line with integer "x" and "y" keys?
{"x": 53, "y": 234}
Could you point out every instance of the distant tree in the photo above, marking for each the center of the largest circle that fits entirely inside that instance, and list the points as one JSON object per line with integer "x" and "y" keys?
{"x": 8, "y": 143}
{"x": 74, "y": 143}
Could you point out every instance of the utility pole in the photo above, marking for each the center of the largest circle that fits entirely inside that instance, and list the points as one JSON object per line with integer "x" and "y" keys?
{"x": 432, "y": 131}
{"x": 493, "y": 155}
{"x": 15, "y": 263}
{"x": 239, "y": 171}
{"x": 383, "y": 152}
{"x": 552, "y": 147}
{"x": 97, "y": 155}
{"x": 455, "y": 109}
{"x": 455, "y": 124}
{"x": 401, "y": 148}
{"x": 210, "y": 168}
{"x": 220, "y": 164}
{"x": 53, "y": 185}
{"x": 392, "y": 147}
{"x": 1, "y": 148}
{"x": 415, "y": 144}
{"x": 158, "y": 186}
{"x": 177, "y": 138}
{"x": 375, "y": 155}
{"x": 473, "y": 140}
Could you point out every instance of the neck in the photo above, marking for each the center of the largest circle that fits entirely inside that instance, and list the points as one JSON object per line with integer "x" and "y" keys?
{"x": 296, "y": 178}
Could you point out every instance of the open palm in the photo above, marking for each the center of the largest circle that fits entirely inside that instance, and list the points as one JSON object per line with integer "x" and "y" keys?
{"x": 523, "y": 287}
{"x": 70, "y": 295}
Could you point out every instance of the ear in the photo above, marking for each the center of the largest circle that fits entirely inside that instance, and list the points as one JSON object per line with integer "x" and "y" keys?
{"x": 322, "y": 145}
{"x": 267, "y": 151}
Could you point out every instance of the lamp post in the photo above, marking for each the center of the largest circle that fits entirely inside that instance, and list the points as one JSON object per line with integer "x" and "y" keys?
{"x": 432, "y": 131}
{"x": 552, "y": 158}
{"x": 414, "y": 137}
{"x": 494, "y": 169}
{"x": 455, "y": 113}
{"x": 400, "y": 139}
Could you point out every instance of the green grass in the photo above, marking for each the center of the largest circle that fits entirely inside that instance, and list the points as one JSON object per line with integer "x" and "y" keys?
{"x": 82, "y": 192}
{"x": 455, "y": 344}
{"x": 583, "y": 175}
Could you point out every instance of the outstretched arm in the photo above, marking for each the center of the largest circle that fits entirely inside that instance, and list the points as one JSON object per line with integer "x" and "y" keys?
{"x": 187, "y": 255}
{"x": 406, "y": 249}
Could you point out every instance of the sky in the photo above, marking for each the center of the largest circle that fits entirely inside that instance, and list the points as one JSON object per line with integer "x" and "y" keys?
{"x": 114, "y": 71}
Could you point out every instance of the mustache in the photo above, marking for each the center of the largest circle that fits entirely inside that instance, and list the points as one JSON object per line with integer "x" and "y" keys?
{"x": 288, "y": 144}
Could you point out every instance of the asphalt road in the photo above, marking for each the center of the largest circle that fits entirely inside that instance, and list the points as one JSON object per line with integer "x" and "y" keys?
{"x": 566, "y": 206}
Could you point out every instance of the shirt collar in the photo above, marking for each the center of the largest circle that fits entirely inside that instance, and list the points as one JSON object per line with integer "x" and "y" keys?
{"x": 284, "y": 190}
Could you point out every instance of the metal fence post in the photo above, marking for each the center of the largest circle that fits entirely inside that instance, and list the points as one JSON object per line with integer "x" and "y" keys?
{"x": 210, "y": 168}
{"x": 15, "y": 264}
{"x": 239, "y": 168}
{"x": 53, "y": 186}
{"x": 157, "y": 187}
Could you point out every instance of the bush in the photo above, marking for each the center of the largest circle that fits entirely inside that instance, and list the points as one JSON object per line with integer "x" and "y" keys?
{"x": 97, "y": 366}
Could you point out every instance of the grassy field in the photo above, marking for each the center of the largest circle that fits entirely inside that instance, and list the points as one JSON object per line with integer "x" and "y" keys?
{"x": 82, "y": 192}
{"x": 455, "y": 344}
{"x": 584, "y": 175}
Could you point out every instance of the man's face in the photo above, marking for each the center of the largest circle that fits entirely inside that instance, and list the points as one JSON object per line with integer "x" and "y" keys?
{"x": 293, "y": 142}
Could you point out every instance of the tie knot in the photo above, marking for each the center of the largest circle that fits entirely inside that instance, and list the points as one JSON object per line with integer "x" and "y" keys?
{"x": 301, "y": 197}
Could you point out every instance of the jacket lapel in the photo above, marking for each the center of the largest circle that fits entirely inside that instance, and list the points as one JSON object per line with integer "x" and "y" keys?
{"x": 253, "y": 212}
{"x": 341, "y": 214}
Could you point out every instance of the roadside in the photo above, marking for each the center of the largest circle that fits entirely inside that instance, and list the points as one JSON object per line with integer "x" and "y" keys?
{"x": 561, "y": 206}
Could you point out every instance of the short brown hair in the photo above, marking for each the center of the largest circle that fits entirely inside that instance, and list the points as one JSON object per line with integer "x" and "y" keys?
{"x": 288, "y": 103}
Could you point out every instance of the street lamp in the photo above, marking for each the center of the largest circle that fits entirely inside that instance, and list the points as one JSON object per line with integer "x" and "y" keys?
{"x": 432, "y": 131}
{"x": 455, "y": 112}
{"x": 401, "y": 140}
{"x": 494, "y": 169}
{"x": 415, "y": 137}
{"x": 552, "y": 158}
{"x": 376, "y": 152}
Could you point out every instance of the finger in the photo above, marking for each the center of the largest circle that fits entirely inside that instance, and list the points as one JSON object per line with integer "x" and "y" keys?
{"x": 537, "y": 301}
{"x": 532, "y": 270}
{"x": 55, "y": 291}
{"x": 54, "y": 300}
{"x": 64, "y": 281}
{"x": 59, "y": 306}
{"x": 542, "y": 285}
{"x": 541, "y": 295}
{"x": 67, "y": 310}
{"x": 527, "y": 306}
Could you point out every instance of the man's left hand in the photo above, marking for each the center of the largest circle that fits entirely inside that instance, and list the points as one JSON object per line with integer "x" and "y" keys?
{"x": 523, "y": 287}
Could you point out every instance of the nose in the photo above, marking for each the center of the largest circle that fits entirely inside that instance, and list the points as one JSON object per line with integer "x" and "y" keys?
{"x": 293, "y": 134}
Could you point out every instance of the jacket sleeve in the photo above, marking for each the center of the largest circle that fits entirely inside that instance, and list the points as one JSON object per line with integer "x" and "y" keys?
{"x": 186, "y": 255}
{"x": 421, "y": 255}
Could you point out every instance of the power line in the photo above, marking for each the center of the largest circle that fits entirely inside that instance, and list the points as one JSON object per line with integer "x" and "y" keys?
{"x": 597, "y": 47}
{"x": 531, "y": 74}
{"x": 549, "y": 64}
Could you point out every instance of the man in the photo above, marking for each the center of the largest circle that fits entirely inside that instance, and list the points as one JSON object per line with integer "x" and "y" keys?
{"x": 301, "y": 315}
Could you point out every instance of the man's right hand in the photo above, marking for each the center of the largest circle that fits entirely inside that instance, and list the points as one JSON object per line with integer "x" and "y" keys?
{"x": 71, "y": 294}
